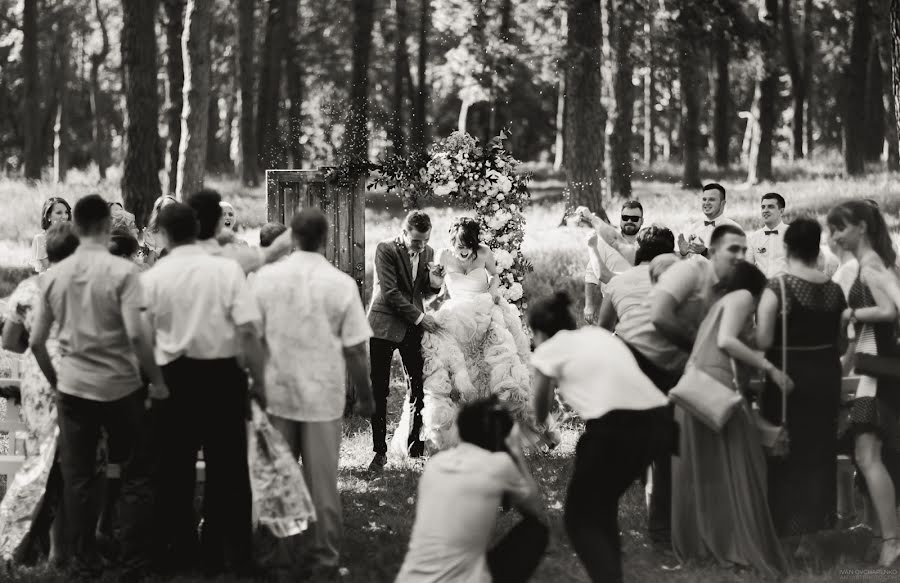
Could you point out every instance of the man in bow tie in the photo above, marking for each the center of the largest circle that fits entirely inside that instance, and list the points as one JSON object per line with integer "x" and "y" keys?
{"x": 696, "y": 239}
{"x": 404, "y": 277}
{"x": 765, "y": 247}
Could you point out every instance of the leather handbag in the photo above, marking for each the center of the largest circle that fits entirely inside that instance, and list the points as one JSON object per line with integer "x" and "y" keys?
{"x": 705, "y": 398}
{"x": 774, "y": 438}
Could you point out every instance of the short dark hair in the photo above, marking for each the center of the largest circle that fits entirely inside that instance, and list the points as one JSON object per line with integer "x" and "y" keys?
{"x": 779, "y": 200}
{"x": 269, "y": 232}
{"x": 206, "y": 206}
{"x": 633, "y": 204}
{"x": 723, "y": 230}
{"x": 417, "y": 221}
{"x": 123, "y": 245}
{"x": 310, "y": 229}
{"x": 179, "y": 222}
{"x": 746, "y": 276}
{"x": 47, "y": 209}
{"x": 91, "y": 214}
{"x": 61, "y": 241}
{"x": 803, "y": 238}
{"x": 485, "y": 423}
{"x": 653, "y": 241}
{"x": 552, "y": 314}
{"x": 467, "y": 231}
{"x": 715, "y": 186}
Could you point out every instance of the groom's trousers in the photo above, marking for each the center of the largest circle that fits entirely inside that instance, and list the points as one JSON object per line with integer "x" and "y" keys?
{"x": 381, "y": 353}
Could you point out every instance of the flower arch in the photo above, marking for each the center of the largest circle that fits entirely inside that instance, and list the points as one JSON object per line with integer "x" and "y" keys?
{"x": 481, "y": 178}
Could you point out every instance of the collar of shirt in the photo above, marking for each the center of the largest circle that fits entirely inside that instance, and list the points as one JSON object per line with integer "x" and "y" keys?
{"x": 308, "y": 256}
{"x": 780, "y": 227}
{"x": 190, "y": 249}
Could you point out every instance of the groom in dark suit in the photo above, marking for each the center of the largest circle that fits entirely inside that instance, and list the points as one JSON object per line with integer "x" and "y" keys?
{"x": 397, "y": 317}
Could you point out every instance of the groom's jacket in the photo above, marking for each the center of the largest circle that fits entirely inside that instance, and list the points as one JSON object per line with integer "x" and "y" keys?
{"x": 396, "y": 298}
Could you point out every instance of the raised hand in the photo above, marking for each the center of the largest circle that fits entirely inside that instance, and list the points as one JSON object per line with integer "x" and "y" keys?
{"x": 683, "y": 245}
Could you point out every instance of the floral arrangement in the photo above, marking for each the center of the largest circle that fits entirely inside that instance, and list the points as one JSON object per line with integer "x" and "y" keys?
{"x": 482, "y": 178}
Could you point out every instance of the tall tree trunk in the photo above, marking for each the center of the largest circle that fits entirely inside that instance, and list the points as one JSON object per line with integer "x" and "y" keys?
{"x": 689, "y": 72}
{"x": 722, "y": 113}
{"x": 881, "y": 9}
{"x": 401, "y": 64}
{"x": 623, "y": 18}
{"x": 294, "y": 66}
{"x": 895, "y": 59}
{"x": 61, "y": 127}
{"x": 194, "y": 117}
{"x": 140, "y": 177}
{"x": 99, "y": 128}
{"x": 797, "y": 71}
{"x": 499, "y": 118}
{"x": 649, "y": 91}
{"x": 585, "y": 116}
{"x": 213, "y": 161}
{"x": 808, "y": 64}
{"x": 174, "y": 10}
{"x": 248, "y": 155}
{"x": 356, "y": 140}
{"x": 854, "y": 106}
{"x": 30, "y": 95}
{"x": 419, "y": 134}
{"x": 768, "y": 92}
{"x": 559, "y": 146}
{"x": 271, "y": 146}
{"x": 874, "y": 108}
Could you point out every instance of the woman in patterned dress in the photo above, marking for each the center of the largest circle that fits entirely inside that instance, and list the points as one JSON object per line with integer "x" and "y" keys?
{"x": 38, "y": 412}
{"x": 858, "y": 227}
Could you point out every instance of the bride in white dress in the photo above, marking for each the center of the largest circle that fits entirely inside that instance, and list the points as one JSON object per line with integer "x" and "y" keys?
{"x": 480, "y": 349}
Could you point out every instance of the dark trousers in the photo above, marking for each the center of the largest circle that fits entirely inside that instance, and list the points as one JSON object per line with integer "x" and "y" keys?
{"x": 381, "y": 352}
{"x": 516, "y": 557}
{"x": 659, "y": 505}
{"x": 611, "y": 454}
{"x": 80, "y": 423}
{"x": 207, "y": 408}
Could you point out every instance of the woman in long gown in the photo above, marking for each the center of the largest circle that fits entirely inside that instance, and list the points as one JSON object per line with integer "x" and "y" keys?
{"x": 480, "y": 350}
{"x": 39, "y": 482}
{"x": 719, "y": 505}
{"x": 858, "y": 227}
{"x": 802, "y": 487}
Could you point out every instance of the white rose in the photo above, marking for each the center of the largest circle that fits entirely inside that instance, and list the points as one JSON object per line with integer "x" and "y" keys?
{"x": 501, "y": 196}
{"x": 516, "y": 292}
{"x": 495, "y": 207}
{"x": 504, "y": 184}
{"x": 503, "y": 258}
{"x": 443, "y": 189}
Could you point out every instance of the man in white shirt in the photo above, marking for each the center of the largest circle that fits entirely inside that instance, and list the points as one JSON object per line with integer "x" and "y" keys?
{"x": 604, "y": 261}
{"x": 204, "y": 317}
{"x": 765, "y": 247}
{"x": 696, "y": 239}
{"x": 315, "y": 330}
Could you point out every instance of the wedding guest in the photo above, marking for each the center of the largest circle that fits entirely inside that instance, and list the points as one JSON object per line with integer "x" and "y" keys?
{"x": 96, "y": 300}
{"x": 206, "y": 204}
{"x": 859, "y": 227}
{"x": 460, "y": 492}
{"x": 802, "y": 485}
{"x": 765, "y": 247}
{"x": 604, "y": 262}
{"x": 203, "y": 315}
{"x": 315, "y": 332}
{"x": 269, "y": 232}
{"x": 626, "y": 425}
{"x": 55, "y": 210}
{"x": 719, "y": 503}
{"x": 123, "y": 244}
{"x": 37, "y": 409}
{"x": 155, "y": 247}
{"x": 699, "y": 235}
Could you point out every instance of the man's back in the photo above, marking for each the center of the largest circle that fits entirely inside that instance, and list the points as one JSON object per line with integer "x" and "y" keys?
{"x": 87, "y": 293}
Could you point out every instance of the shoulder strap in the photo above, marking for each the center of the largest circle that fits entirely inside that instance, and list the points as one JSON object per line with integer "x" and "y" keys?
{"x": 784, "y": 350}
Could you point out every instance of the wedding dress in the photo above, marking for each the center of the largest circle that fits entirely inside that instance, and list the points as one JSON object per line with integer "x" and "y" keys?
{"x": 480, "y": 350}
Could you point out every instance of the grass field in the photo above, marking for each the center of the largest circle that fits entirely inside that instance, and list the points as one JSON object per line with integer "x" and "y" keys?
{"x": 379, "y": 510}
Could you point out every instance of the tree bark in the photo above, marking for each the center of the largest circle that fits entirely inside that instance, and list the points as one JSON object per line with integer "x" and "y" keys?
{"x": 797, "y": 71}
{"x": 194, "y": 116}
{"x": 649, "y": 93}
{"x": 559, "y": 143}
{"x": 401, "y": 63}
{"x": 294, "y": 66}
{"x": 99, "y": 128}
{"x": 419, "y": 130}
{"x": 623, "y": 17}
{"x": 356, "y": 140}
{"x": 768, "y": 93}
{"x": 808, "y": 63}
{"x": 61, "y": 127}
{"x": 140, "y": 177}
{"x": 271, "y": 151}
{"x": 895, "y": 60}
{"x": 874, "y": 108}
{"x": 585, "y": 116}
{"x": 213, "y": 162}
{"x": 854, "y": 106}
{"x": 248, "y": 155}
{"x": 30, "y": 96}
{"x": 882, "y": 30}
{"x": 689, "y": 72}
{"x": 722, "y": 111}
{"x": 174, "y": 10}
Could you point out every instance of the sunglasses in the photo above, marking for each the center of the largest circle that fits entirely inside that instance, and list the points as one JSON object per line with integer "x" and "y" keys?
{"x": 631, "y": 218}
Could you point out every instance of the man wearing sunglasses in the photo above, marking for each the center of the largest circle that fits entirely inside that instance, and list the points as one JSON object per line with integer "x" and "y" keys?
{"x": 604, "y": 261}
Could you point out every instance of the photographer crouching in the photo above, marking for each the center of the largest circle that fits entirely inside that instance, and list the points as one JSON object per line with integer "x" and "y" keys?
{"x": 460, "y": 493}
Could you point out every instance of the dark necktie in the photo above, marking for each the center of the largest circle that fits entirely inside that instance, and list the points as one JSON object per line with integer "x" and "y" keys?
{"x": 775, "y": 232}
{"x": 709, "y": 223}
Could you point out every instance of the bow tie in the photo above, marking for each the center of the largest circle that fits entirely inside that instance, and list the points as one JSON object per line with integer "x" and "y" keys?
{"x": 709, "y": 223}
{"x": 775, "y": 232}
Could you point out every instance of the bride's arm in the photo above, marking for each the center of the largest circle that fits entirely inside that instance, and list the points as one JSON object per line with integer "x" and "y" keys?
{"x": 490, "y": 265}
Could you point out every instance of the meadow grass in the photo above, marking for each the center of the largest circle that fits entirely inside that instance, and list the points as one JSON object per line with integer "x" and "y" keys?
{"x": 379, "y": 510}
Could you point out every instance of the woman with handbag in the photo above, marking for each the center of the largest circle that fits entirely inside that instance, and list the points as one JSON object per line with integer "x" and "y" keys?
{"x": 859, "y": 227}
{"x": 800, "y": 314}
{"x": 719, "y": 505}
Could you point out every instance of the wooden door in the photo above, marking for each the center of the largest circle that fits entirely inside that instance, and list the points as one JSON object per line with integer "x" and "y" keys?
{"x": 287, "y": 191}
